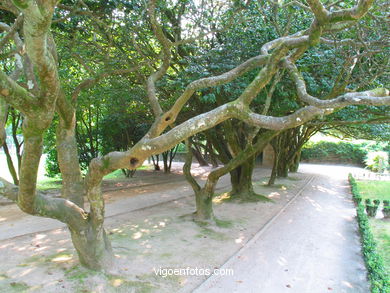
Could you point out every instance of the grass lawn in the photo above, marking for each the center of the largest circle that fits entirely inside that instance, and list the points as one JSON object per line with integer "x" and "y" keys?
{"x": 374, "y": 189}
{"x": 49, "y": 183}
{"x": 380, "y": 227}
{"x": 118, "y": 174}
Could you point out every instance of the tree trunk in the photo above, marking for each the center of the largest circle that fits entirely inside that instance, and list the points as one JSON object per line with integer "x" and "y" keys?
{"x": 165, "y": 161}
{"x": 93, "y": 247}
{"x": 295, "y": 162}
{"x": 241, "y": 180}
{"x": 68, "y": 160}
{"x": 282, "y": 168}
{"x": 10, "y": 164}
{"x": 199, "y": 157}
{"x": 274, "y": 171}
{"x": 204, "y": 207}
{"x": 156, "y": 162}
{"x": 3, "y": 121}
{"x": 203, "y": 196}
{"x": 128, "y": 173}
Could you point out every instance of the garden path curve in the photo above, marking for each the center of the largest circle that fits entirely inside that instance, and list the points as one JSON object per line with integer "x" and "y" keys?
{"x": 311, "y": 246}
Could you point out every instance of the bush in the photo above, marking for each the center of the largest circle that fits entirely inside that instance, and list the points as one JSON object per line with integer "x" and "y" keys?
{"x": 343, "y": 152}
{"x": 377, "y": 161}
{"x": 386, "y": 212}
{"x": 371, "y": 210}
{"x": 379, "y": 277}
{"x": 347, "y": 152}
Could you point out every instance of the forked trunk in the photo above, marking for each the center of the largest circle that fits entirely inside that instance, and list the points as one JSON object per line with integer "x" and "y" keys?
{"x": 204, "y": 208}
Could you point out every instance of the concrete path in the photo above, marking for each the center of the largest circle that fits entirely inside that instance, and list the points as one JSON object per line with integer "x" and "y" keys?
{"x": 312, "y": 246}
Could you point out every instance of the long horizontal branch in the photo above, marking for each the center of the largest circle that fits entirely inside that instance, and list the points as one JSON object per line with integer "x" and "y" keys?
{"x": 377, "y": 97}
{"x": 169, "y": 117}
{"x": 243, "y": 156}
{"x": 134, "y": 157}
{"x": 46, "y": 206}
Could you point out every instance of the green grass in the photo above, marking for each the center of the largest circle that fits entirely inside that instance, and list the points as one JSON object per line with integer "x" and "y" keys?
{"x": 380, "y": 228}
{"x": 377, "y": 272}
{"x": 118, "y": 174}
{"x": 374, "y": 189}
{"x": 49, "y": 183}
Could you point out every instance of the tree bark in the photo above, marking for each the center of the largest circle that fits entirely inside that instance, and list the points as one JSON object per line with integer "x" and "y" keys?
{"x": 199, "y": 157}
{"x": 93, "y": 247}
{"x": 272, "y": 179}
{"x": 68, "y": 159}
{"x": 203, "y": 196}
{"x": 241, "y": 179}
{"x": 10, "y": 164}
{"x": 295, "y": 162}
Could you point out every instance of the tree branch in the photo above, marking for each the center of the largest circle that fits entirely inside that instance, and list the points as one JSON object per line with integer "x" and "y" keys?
{"x": 377, "y": 97}
{"x": 10, "y": 30}
{"x": 16, "y": 96}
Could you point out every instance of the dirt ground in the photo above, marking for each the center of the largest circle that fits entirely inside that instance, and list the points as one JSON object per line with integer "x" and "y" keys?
{"x": 150, "y": 228}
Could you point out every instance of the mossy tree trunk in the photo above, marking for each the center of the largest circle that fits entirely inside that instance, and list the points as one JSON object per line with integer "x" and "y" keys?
{"x": 203, "y": 196}
{"x": 241, "y": 179}
{"x": 287, "y": 147}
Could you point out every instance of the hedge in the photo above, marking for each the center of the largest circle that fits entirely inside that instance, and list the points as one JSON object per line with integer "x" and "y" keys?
{"x": 379, "y": 277}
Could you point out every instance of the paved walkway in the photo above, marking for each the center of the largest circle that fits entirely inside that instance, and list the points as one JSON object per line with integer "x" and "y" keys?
{"x": 312, "y": 246}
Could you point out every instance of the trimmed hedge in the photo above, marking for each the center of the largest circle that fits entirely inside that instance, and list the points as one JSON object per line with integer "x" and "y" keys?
{"x": 379, "y": 277}
{"x": 341, "y": 152}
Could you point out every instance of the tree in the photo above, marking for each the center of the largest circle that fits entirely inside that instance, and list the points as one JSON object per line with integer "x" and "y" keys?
{"x": 45, "y": 96}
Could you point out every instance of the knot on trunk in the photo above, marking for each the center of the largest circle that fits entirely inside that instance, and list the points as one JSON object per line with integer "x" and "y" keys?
{"x": 133, "y": 162}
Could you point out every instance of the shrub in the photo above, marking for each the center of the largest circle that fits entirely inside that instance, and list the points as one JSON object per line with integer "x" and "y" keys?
{"x": 377, "y": 161}
{"x": 371, "y": 210}
{"x": 342, "y": 152}
{"x": 386, "y": 212}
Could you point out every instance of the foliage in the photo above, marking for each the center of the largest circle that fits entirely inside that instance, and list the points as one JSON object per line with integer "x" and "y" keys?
{"x": 340, "y": 152}
{"x": 379, "y": 277}
{"x": 377, "y": 161}
{"x": 49, "y": 148}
